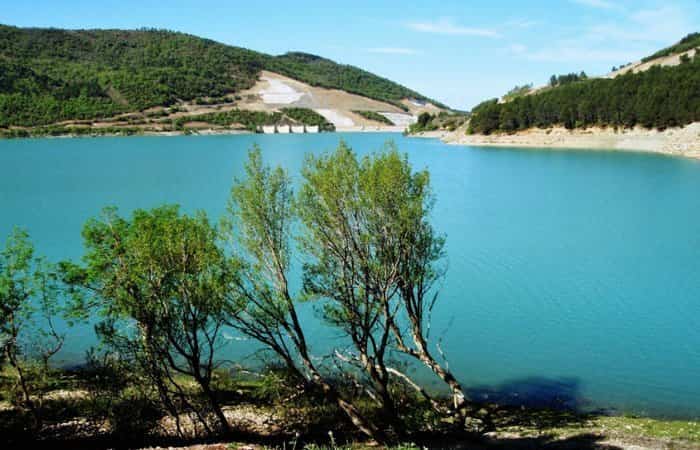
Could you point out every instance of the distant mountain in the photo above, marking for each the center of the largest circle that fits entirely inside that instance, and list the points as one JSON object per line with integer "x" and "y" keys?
{"x": 660, "y": 91}
{"x": 49, "y": 76}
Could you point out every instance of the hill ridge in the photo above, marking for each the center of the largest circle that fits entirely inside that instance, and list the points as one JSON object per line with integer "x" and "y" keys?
{"x": 50, "y": 75}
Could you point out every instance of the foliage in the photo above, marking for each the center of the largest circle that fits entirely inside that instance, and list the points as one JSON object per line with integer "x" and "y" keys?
{"x": 308, "y": 116}
{"x": 60, "y": 130}
{"x": 372, "y": 260}
{"x": 29, "y": 294}
{"x": 560, "y": 80}
{"x": 158, "y": 281}
{"x": 90, "y": 73}
{"x": 660, "y": 97}
{"x": 424, "y": 123}
{"x": 119, "y": 395}
{"x": 251, "y": 120}
{"x": 517, "y": 91}
{"x": 451, "y": 122}
{"x": 622, "y": 66}
{"x": 375, "y": 116}
{"x": 257, "y": 227}
{"x": 345, "y": 269}
{"x": 689, "y": 42}
{"x": 258, "y": 224}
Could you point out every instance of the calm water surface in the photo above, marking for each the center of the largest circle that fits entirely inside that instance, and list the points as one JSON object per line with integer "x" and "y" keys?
{"x": 574, "y": 276}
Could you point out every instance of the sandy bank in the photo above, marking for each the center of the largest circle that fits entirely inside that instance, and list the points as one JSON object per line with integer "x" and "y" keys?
{"x": 676, "y": 141}
{"x": 438, "y": 134}
{"x": 208, "y": 132}
{"x": 371, "y": 129}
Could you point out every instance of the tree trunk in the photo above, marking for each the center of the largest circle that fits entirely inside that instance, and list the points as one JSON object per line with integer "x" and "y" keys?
{"x": 33, "y": 409}
{"x": 214, "y": 402}
{"x": 459, "y": 398}
{"x": 362, "y": 424}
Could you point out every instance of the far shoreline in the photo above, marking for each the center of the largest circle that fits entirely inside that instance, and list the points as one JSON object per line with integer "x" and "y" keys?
{"x": 681, "y": 141}
{"x": 677, "y": 142}
{"x": 199, "y": 132}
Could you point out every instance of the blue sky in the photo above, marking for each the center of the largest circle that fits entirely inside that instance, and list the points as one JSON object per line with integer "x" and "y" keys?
{"x": 459, "y": 52}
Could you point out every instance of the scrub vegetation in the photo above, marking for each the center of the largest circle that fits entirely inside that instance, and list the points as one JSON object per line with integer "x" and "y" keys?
{"x": 374, "y": 116}
{"x": 440, "y": 121}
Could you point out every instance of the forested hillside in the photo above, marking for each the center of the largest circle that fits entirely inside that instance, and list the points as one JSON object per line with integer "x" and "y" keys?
{"x": 660, "y": 97}
{"x": 50, "y": 75}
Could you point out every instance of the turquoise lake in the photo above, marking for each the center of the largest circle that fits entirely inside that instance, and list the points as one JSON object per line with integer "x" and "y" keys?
{"x": 574, "y": 276}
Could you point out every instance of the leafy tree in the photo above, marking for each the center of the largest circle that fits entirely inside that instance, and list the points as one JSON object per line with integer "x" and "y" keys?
{"x": 374, "y": 259}
{"x": 345, "y": 269}
{"x": 258, "y": 224}
{"x": 424, "y": 118}
{"x": 566, "y": 79}
{"x": 159, "y": 282}
{"x": 29, "y": 296}
{"x": 399, "y": 202}
{"x": 425, "y": 122}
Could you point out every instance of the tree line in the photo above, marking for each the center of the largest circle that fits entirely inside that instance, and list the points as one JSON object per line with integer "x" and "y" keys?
{"x": 660, "y": 97}
{"x": 375, "y": 117}
{"x": 253, "y": 120}
{"x": 559, "y": 80}
{"x": 164, "y": 287}
{"x": 439, "y": 121}
{"x": 691, "y": 41}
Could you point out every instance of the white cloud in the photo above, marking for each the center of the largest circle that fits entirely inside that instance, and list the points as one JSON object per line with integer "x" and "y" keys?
{"x": 447, "y": 26}
{"x": 393, "y": 50}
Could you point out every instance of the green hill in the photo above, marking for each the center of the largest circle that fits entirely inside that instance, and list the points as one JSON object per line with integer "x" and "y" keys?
{"x": 660, "y": 97}
{"x": 51, "y": 75}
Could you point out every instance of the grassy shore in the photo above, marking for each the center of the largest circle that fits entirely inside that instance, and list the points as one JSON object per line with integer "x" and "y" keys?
{"x": 89, "y": 409}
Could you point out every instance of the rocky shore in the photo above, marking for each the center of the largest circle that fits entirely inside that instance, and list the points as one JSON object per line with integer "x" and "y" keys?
{"x": 683, "y": 141}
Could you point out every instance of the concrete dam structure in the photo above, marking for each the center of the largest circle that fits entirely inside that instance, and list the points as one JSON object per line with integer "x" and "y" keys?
{"x": 286, "y": 129}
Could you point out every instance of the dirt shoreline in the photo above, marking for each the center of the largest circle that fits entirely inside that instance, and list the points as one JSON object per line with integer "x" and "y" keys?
{"x": 683, "y": 142}
{"x": 199, "y": 132}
